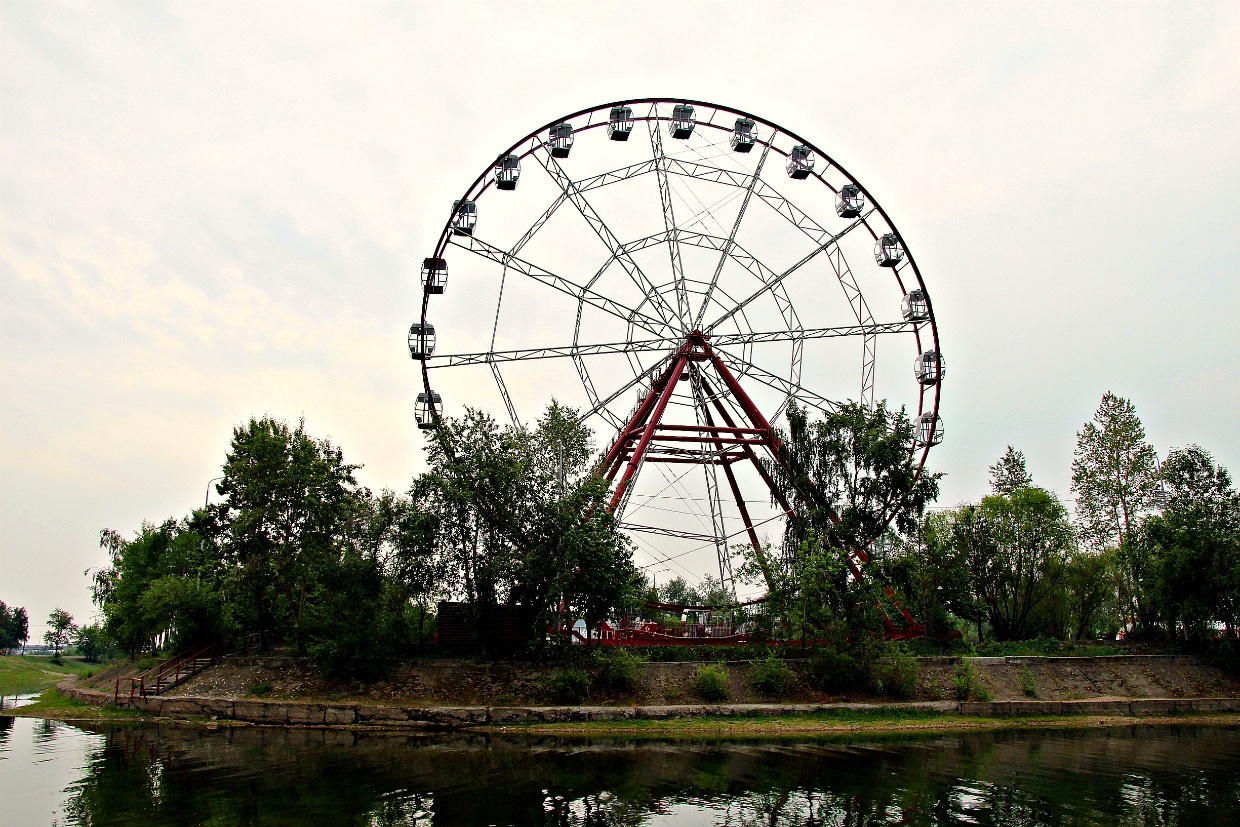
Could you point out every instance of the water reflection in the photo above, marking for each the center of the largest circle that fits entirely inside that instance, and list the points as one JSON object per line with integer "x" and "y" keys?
{"x": 158, "y": 776}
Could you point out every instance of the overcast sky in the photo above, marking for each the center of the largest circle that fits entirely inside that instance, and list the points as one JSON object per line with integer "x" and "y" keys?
{"x": 210, "y": 211}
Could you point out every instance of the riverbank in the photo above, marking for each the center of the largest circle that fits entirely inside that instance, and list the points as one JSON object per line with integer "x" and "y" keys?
{"x": 724, "y": 722}
{"x": 472, "y": 695}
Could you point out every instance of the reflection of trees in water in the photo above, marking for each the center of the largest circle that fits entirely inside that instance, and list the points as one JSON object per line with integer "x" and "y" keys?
{"x": 258, "y": 776}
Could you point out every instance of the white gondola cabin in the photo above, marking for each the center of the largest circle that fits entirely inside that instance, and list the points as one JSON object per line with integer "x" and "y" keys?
{"x": 851, "y": 201}
{"x": 743, "y": 135}
{"x": 800, "y": 162}
{"x": 560, "y": 139}
{"x": 929, "y": 367}
{"x": 888, "y": 251}
{"x": 682, "y": 121}
{"x": 434, "y": 275}
{"x": 421, "y": 341}
{"x": 620, "y": 123}
{"x": 929, "y": 430}
{"x": 464, "y": 217}
{"x": 507, "y": 171}
{"x": 914, "y": 307}
{"x": 428, "y": 409}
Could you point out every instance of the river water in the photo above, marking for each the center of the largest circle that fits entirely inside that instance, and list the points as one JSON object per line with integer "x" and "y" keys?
{"x": 57, "y": 774}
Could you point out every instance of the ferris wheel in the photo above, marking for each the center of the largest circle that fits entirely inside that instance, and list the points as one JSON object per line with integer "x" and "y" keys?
{"x": 679, "y": 272}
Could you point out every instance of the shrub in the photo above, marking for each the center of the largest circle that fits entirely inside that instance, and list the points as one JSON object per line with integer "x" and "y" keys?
{"x": 969, "y": 685}
{"x": 621, "y": 670}
{"x": 263, "y": 688}
{"x": 570, "y": 686}
{"x": 896, "y": 673}
{"x": 1027, "y": 682}
{"x": 836, "y": 671}
{"x": 711, "y": 682}
{"x": 771, "y": 676}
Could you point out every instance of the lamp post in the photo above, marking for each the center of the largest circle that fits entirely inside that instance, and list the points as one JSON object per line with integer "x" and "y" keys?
{"x": 207, "y": 499}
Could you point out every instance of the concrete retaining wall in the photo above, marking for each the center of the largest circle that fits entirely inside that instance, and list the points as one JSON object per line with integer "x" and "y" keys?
{"x": 1143, "y": 707}
{"x": 291, "y": 713}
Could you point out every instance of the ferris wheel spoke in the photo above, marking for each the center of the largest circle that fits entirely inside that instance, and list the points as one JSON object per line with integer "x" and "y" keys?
{"x": 503, "y": 391}
{"x": 621, "y": 311}
{"x": 726, "y": 339}
{"x": 669, "y": 219}
{"x": 537, "y": 225}
{"x": 787, "y": 209}
{"x": 726, "y": 252}
{"x": 456, "y": 360}
{"x": 791, "y": 391}
{"x": 587, "y": 382}
{"x": 770, "y": 285}
{"x": 869, "y": 347}
{"x": 626, "y": 262}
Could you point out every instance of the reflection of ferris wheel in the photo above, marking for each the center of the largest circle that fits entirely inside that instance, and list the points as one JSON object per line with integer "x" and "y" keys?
{"x": 700, "y": 268}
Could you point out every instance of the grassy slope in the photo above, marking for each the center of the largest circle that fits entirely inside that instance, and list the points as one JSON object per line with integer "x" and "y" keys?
{"x": 51, "y": 704}
{"x": 23, "y": 674}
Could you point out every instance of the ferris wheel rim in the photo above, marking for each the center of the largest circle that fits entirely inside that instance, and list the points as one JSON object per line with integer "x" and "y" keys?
{"x": 482, "y": 183}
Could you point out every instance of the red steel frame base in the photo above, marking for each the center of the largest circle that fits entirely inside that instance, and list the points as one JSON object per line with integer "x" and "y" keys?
{"x": 731, "y": 443}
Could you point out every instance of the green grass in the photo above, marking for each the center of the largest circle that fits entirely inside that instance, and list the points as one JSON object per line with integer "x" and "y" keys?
{"x": 20, "y": 675}
{"x": 52, "y": 704}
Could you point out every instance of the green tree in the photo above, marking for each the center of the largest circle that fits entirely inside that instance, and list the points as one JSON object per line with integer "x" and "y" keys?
{"x": 1009, "y": 473}
{"x": 933, "y": 572}
{"x": 14, "y": 626}
{"x": 60, "y": 630}
{"x": 400, "y": 537}
{"x": 292, "y": 508}
{"x": 1090, "y": 593}
{"x": 1114, "y": 474}
{"x": 1192, "y": 548}
{"x": 847, "y": 477}
{"x": 1026, "y": 538}
{"x": 166, "y": 583}
{"x": 94, "y": 644}
{"x": 518, "y": 518}
{"x": 477, "y": 489}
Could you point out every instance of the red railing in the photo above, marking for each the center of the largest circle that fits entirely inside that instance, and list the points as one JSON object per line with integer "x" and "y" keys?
{"x": 168, "y": 674}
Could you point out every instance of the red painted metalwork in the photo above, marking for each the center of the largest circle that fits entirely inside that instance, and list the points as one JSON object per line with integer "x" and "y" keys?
{"x": 168, "y": 674}
{"x": 646, "y": 427}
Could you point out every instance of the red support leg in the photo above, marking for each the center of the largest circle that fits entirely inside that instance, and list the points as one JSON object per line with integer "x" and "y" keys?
{"x": 639, "y": 450}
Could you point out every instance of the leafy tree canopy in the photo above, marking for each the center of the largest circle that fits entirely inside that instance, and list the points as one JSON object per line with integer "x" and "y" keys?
{"x": 1114, "y": 473}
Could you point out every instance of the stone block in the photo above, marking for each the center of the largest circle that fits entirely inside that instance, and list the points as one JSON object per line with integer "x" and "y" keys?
{"x": 1096, "y": 707}
{"x": 340, "y": 715}
{"x": 450, "y": 715}
{"x": 304, "y": 714}
{"x": 382, "y": 714}
{"x": 981, "y": 709}
{"x": 260, "y": 712}
{"x": 182, "y": 708}
{"x": 1151, "y": 707}
{"x": 150, "y": 706}
{"x": 219, "y": 707}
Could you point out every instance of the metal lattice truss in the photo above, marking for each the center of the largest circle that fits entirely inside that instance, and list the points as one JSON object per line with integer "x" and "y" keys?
{"x": 702, "y": 312}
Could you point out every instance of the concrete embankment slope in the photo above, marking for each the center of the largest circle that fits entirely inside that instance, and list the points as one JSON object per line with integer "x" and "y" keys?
{"x": 306, "y": 713}
{"x": 464, "y": 694}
